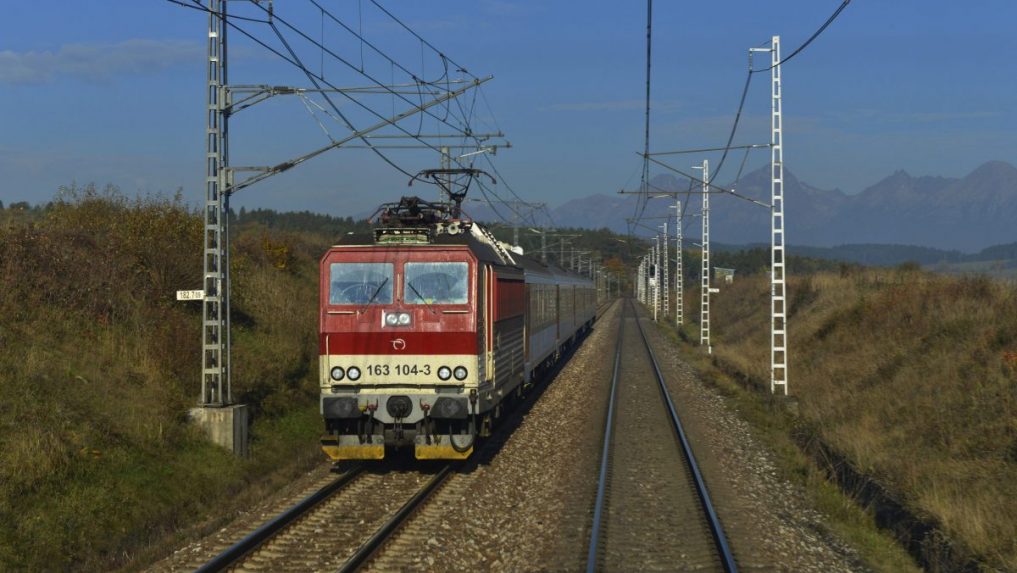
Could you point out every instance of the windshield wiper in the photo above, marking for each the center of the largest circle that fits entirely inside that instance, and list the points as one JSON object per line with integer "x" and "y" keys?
{"x": 375, "y": 295}
{"x": 420, "y": 296}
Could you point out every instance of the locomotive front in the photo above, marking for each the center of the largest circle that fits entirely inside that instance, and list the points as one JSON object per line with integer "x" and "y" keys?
{"x": 398, "y": 347}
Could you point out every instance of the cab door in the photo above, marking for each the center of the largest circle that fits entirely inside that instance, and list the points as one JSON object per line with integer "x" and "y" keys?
{"x": 485, "y": 316}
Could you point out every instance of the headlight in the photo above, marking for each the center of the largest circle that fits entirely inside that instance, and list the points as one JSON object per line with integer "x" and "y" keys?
{"x": 444, "y": 373}
{"x": 354, "y": 373}
{"x": 459, "y": 373}
{"x": 397, "y": 319}
{"x": 338, "y": 374}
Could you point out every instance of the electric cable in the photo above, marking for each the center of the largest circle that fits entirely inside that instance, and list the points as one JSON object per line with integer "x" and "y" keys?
{"x": 313, "y": 42}
{"x": 204, "y": 9}
{"x": 311, "y": 76}
{"x": 462, "y": 118}
{"x": 419, "y": 37}
{"x": 314, "y": 78}
{"x": 645, "y": 178}
{"x": 811, "y": 38}
{"x": 748, "y": 80}
{"x": 719, "y": 190}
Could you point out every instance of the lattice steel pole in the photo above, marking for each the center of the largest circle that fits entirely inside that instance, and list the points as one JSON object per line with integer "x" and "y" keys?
{"x": 215, "y": 379}
{"x": 646, "y": 279}
{"x": 704, "y": 308}
{"x": 679, "y": 280}
{"x": 656, "y": 277}
{"x": 778, "y": 305}
{"x": 665, "y": 288}
{"x": 639, "y": 281}
{"x": 638, "y": 288}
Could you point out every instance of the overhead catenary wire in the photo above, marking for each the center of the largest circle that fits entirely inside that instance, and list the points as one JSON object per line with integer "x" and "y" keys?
{"x": 645, "y": 177}
{"x": 312, "y": 41}
{"x": 509, "y": 187}
{"x": 710, "y": 185}
{"x": 274, "y": 17}
{"x": 294, "y": 60}
{"x": 314, "y": 80}
{"x": 190, "y": 4}
{"x": 707, "y": 149}
{"x": 485, "y": 190}
{"x": 263, "y": 44}
{"x": 419, "y": 37}
{"x": 464, "y": 114}
{"x": 748, "y": 79}
{"x": 811, "y": 38}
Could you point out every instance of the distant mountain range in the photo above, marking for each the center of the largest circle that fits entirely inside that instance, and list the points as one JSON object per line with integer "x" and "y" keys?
{"x": 965, "y": 214}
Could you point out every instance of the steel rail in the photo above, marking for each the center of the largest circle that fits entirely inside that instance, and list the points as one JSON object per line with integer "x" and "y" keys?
{"x": 605, "y": 455}
{"x": 259, "y": 536}
{"x": 376, "y": 541}
{"x": 727, "y": 558}
{"x": 235, "y": 553}
{"x": 373, "y": 546}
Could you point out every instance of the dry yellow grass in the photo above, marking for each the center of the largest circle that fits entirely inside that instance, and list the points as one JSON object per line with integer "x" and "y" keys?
{"x": 911, "y": 376}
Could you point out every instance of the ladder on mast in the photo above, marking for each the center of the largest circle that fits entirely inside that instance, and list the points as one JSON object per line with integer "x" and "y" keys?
{"x": 704, "y": 309}
{"x": 663, "y": 276}
{"x": 778, "y": 291}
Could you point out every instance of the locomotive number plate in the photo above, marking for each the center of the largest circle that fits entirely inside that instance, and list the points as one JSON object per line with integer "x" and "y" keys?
{"x": 399, "y": 370}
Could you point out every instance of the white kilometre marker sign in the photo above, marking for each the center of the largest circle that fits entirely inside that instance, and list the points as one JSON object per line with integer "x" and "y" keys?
{"x": 190, "y": 294}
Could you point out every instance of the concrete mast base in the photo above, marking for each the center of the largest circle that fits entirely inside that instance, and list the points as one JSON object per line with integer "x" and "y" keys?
{"x": 226, "y": 426}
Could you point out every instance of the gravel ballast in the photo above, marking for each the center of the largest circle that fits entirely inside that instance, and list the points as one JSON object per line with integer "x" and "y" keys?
{"x": 526, "y": 504}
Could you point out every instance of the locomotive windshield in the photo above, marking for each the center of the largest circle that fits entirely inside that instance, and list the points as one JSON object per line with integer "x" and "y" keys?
{"x": 360, "y": 283}
{"x": 436, "y": 283}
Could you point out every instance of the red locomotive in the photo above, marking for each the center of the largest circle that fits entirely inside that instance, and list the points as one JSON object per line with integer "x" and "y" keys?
{"x": 429, "y": 325}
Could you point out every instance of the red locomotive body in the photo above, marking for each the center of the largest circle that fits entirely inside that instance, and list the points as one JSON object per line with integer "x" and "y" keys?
{"x": 427, "y": 327}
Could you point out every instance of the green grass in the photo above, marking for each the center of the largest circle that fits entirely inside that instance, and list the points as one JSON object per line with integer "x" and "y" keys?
{"x": 100, "y": 366}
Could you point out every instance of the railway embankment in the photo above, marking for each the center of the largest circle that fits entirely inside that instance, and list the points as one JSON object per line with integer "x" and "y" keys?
{"x": 904, "y": 389}
{"x": 99, "y": 365}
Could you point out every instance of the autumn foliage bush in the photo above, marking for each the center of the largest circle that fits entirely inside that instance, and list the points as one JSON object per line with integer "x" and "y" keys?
{"x": 99, "y": 364}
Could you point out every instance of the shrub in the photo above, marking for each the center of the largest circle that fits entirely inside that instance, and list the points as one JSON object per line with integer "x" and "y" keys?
{"x": 101, "y": 364}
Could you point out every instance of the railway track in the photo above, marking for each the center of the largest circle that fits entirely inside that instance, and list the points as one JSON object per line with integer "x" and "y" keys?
{"x": 399, "y": 547}
{"x": 352, "y": 521}
{"x": 652, "y": 510}
{"x": 338, "y": 527}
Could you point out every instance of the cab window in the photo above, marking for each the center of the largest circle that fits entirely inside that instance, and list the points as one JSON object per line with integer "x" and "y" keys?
{"x": 436, "y": 283}
{"x": 360, "y": 283}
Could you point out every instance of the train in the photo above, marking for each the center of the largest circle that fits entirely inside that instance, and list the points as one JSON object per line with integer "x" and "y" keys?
{"x": 429, "y": 327}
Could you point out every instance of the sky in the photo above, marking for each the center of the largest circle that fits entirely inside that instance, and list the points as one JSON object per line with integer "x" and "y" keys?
{"x": 113, "y": 92}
